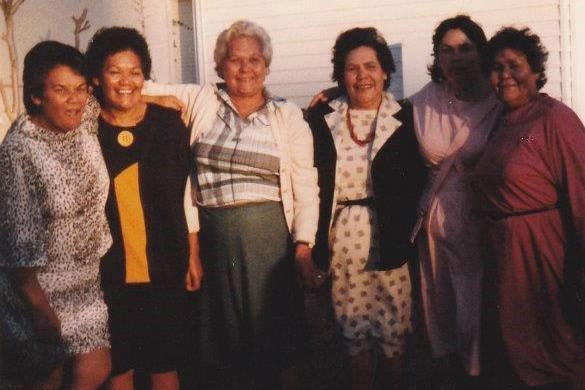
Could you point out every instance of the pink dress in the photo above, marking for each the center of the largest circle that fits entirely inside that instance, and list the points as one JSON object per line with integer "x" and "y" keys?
{"x": 532, "y": 179}
{"x": 451, "y": 133}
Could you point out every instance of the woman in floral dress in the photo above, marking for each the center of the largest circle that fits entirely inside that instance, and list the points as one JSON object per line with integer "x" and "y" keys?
{"x": 370, "y": 174}
{"x": 52, "y": 220}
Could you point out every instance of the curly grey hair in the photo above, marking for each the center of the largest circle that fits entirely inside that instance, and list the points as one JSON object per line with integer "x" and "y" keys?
{"x": 241, "y": 28}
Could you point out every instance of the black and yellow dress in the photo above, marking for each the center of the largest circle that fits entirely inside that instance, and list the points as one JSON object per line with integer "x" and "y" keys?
{"x": 143, "y": 274}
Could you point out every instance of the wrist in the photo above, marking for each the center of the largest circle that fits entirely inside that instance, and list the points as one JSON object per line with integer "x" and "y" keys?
{"x": 310, "y": 245}
{"x": 194, "y": 264}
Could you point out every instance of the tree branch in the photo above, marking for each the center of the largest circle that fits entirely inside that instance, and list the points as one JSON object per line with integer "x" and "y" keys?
{"x": 5, "y": 103}
{"x": 15, "y": 6}
{"x": 80, "y": 24}
{"x": 5, "y": 7}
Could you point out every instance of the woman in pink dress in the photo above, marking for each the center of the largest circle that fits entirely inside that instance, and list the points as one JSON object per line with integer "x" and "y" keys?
{"x": 532, "y": 181}
{"x": 453, "y": 115}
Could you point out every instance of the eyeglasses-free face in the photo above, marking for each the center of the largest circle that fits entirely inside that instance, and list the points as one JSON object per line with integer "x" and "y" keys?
{"x": 364, "y": 78}
{"x": 64, "y": 98}
{"x": 512, "y": 78}
{"x": 121, "y": 80}
{"x": 458, "y": 57}
{"x": 244, "y": 69}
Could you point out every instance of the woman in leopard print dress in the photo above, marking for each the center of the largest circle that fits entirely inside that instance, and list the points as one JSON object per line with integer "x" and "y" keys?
{"x": 52, "y": 220}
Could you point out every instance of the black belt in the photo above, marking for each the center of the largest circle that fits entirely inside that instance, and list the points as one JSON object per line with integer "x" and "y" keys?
{"x": 357, "y": 202}
{"x": 498, "y": 217}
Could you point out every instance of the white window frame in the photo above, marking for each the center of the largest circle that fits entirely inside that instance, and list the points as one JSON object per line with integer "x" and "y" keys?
{"x": 198, "y": 38}
{"x": 574, "y": 11}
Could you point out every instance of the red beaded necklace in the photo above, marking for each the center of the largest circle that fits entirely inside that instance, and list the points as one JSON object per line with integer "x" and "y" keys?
{"x": 369, "y": 138}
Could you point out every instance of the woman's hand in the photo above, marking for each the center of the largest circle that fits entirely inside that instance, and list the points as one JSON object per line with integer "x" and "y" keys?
{"x": 324, "y": 96}
{"x": 167, "y": 101}
{"x": 46, "y": 323}
{"x": 194, "y": 274}
{"x": 195, "y": 271}
{"x": 312, "y": 276}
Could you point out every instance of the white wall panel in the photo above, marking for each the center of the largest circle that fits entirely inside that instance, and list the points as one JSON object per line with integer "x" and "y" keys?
{"x": 303, "y": 32}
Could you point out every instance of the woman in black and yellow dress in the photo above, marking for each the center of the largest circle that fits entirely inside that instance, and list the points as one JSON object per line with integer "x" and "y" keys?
{"x": 144, "y": 274}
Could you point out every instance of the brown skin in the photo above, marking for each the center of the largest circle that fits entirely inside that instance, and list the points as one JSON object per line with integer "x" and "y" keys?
{"x": 460, "y": 64}
{"x": 364, "y": 82}
{"x": 244, "y": 70}
{"x": 458, "y": 57}
{"x": 121, "y": 81}
{"x": 364, "y": 78}
{"x": 312, "y": 276}
{"x": 195, "y": 271}
{"x": 64, "y": 97}
{"x": 45, "y": 320}
{"x": 512, "y": 78}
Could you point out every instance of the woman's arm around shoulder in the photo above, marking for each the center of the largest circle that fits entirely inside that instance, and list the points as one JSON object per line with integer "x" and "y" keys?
{"x": 193, "y": 97}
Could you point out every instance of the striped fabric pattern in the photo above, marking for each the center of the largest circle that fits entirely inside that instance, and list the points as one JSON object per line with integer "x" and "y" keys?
{"x": 237, "y": 159}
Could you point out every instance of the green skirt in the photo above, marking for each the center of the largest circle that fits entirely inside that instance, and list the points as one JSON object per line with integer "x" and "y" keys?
{"x": 252, "y": 313}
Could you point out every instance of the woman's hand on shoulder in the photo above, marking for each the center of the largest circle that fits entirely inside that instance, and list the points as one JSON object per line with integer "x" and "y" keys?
{"x": 324, "y": 96}
{"x": 312, "y": 276}
{"x": 167, "y": 101}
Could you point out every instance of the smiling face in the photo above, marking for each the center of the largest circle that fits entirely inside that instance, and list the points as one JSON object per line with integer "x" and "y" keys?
{"x": 458, "y": 58}
{"x": 512, "y": 78}
{"x": 121, "y": 81}
{"x": 244, "y": 68}
{"x": 364, "y": 78}
{"x": 64, "y": 97}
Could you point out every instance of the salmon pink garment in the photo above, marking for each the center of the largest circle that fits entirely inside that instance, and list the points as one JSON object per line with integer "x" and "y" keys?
{"x": 532, "y": 179}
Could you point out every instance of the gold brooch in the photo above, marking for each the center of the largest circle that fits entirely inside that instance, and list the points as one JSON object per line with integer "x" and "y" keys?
{"x": 125, "y": 138}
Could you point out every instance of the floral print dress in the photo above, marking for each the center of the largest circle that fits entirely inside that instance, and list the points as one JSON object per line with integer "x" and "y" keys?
{"x": 371, "y": 307}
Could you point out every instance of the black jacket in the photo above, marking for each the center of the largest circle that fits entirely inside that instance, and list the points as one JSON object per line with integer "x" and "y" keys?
{"x": 398, "y": 176}
{"x": 161, "y": 150}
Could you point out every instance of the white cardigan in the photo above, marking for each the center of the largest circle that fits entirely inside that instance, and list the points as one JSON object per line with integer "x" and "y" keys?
{"x": 298, "y": 177}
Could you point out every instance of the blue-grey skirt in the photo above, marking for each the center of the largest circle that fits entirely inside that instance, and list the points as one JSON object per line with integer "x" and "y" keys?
{"x": 252, "y": 313}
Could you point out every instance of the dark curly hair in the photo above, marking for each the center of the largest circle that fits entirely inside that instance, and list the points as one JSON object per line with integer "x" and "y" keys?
{"x": 109, "y": 41}
{"x": 471, "y": 29}
{"x": 354, "y": 38}
{"x": 524, "y": 41}
{"x": 39, "y": 61}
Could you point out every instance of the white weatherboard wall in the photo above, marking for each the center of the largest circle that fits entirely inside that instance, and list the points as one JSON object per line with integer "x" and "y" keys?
{"x": 303, "y": 32}
{"x": 577, "y": 57}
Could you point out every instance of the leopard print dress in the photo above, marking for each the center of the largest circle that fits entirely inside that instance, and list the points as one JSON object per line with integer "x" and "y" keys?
{"x": 52, "y": 216}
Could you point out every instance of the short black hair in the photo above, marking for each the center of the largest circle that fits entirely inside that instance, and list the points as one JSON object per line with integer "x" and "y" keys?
{"x": 357, "y": 37}
{"x": 39, "y": 61}
{"x": 524, "y": 41}
{"x": 471, "y": 29}
{"x": 111, "y": 40}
